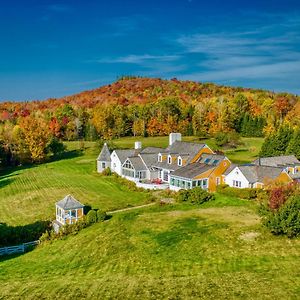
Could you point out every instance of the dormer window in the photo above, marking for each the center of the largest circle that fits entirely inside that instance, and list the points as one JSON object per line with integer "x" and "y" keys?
{"x": 169, "y": 159}
{"x": 179, "y": 161}
{"x": 159, "y": 157}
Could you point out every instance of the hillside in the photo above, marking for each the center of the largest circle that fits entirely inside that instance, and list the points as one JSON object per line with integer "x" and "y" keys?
{"x": 142, "y": 107}
{"x": 174, "y": 252}
{"x": 139, "y": 90}
{"x": 178, "y": 251}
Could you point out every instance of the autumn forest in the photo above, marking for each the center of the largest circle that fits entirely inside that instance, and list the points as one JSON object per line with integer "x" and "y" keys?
{"x": 132, "y": 106}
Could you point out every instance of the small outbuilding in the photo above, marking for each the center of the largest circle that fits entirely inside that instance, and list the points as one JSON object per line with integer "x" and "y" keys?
{"x": 68, "y": 211}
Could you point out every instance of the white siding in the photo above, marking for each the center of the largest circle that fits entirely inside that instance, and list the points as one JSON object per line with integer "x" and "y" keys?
{"x": 116, "y": 165}
{"x": 102, "y": 165}
{"x": 236, "y": 175}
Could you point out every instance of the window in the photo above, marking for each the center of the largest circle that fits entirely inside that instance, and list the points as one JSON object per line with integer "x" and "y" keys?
{"x": 159, "y": 157}
{"x": 179, "y": 161}
{"x": 237, "y": 183}
{"x": 115, "y": 165}
{"x": 128, "y": 165}
{"x": 169, "y": 159}
{"x": 207, "y": 161}
{"x": 103, "y": 165}
{"x": 218, "y": 180}
{"x": 215, "y": 162}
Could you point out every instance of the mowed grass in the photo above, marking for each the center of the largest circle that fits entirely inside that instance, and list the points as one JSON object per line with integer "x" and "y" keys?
{"x": 218, "y": 250}
{"x": 29, "y": 194}
{"x": 171, "y": 252}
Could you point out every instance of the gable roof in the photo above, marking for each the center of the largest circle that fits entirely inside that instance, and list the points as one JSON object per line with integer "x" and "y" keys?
{"x": 154, "y": 150}
{"x": 123, "y": 154}
{"x": 192, "y": 170}
{"x": 229, "y": 169}
{"x": 69, "y": 202}
{"x": 185, "y": 148}
{"x": 104, "y": 154}
{"x": 255, "y": 173}
{"x": 277, "y": 161}
{"x": 137, "y": 163}
{"x": 149, "y": 159}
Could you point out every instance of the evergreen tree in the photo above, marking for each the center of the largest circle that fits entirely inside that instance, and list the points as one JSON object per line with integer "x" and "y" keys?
{"x": 283, "y": 138}
{"x": 267, "y": 148}
{"x": 294, "y": 145}
{"x": 277, "y": 143}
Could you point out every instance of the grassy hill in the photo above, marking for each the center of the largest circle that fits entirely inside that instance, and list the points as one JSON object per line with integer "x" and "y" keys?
{"x": 29, "y": 194}
{"x": 214, "y": 251}
{"x": 217, "y": 251}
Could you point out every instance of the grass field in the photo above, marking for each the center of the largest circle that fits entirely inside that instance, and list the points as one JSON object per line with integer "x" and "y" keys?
{"x": 218, "y": 251}
{"x": 29, "y": 194}
{"x": 215, "y": 251}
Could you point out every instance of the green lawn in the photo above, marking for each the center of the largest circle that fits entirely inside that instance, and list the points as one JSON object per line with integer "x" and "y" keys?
{"x": 29, "y": 194}
{"x": 215, "y": 251}
{"x": 171, "y": 252}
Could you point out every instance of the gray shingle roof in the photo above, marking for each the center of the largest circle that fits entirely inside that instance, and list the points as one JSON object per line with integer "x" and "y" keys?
{"x": 124, "y": 154}
{"x": 155, "y": 150}
{"x": 192, "y": 170}
{"x": 69, "y": 202}
{"x": 185, "y": 148}
{"x": 211, "y": 159}
{"x": 149, "y": 159}
{"x": 137, "y": 163}
{"x": 255, "y": 173}
{"x": 104, "y": 154}
{"x": 277, "y": 161}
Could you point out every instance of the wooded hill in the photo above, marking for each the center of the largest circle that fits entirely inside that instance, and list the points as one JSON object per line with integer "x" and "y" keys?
{"x": 144, "y": 107}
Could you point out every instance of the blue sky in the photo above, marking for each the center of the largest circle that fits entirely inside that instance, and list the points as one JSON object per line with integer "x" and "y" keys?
{"x": 57, "y": 48}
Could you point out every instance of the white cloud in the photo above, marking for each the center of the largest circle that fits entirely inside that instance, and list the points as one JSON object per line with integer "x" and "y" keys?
{"x": 143, "y": 59}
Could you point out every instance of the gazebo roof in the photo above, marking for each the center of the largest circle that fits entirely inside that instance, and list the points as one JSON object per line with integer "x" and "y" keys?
{"x": 69, "y": 202}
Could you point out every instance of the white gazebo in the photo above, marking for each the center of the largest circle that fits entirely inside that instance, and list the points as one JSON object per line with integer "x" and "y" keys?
{"x": 68, "y": 210}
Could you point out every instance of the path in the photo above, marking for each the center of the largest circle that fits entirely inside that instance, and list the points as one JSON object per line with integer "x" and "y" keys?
{"x": 130, "y": 208}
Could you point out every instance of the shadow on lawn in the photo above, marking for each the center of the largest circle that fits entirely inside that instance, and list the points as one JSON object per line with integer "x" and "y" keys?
{"x": 7, "y": 172}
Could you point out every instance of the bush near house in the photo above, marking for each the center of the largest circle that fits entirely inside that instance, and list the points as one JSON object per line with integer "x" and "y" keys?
{"x": 249, "y": 194}
{"x": 281, "y": 211}
{"x": 194, "y": 196}
{"x": 92, "y": 217}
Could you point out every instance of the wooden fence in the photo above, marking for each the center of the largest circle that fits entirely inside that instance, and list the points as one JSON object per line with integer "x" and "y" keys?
{"x": 17, "y": 249}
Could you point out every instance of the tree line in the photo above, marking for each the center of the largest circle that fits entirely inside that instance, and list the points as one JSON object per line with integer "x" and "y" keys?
{"x": 31, "y": 131}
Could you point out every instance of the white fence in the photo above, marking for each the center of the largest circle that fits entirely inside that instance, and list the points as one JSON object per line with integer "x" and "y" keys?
{"x": 17, "y": 249}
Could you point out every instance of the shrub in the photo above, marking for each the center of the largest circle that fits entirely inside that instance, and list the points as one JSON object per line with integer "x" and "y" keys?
{"x": 106, "y": 172}
{"x": 195, "y": 196}
{"x": 91, "y": 217}
{"x": 285, "y": 220}
{"x": 221, "y": 139}
{"x": 246, "y": 193}
{"x": 101, "y": 215}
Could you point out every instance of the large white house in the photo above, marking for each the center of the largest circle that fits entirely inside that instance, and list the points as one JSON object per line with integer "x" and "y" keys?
{"x": 151, "y": 163}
